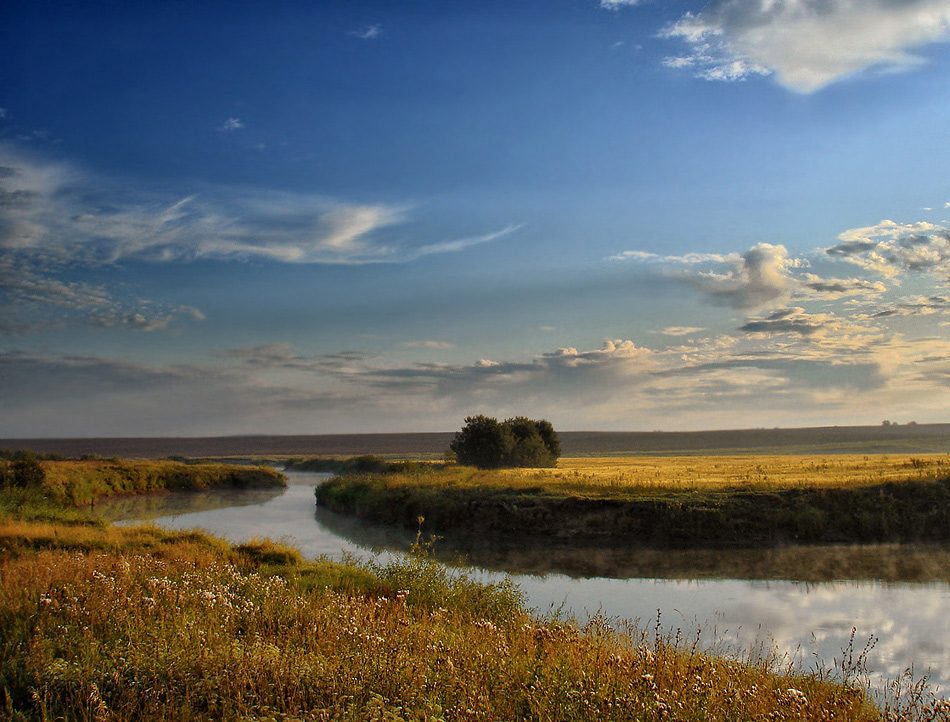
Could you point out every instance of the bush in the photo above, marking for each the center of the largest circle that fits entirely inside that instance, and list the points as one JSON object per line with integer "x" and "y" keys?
{"x": 486, "y": 443}
{"x": 23, "y": 473}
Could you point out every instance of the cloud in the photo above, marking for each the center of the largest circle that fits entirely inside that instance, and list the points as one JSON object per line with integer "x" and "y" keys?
{"x": 787, "y": 320}
{"x": 35, "y": 301}
{"x": 919, "y": 306}
{"x": 370, "y": 32}
{"x": 841, "y": 287}
{"x": 55, "y": 210}
{"x": 807, "y": 44}
{"x": 282, "y": 357}
{"x": 435, "y": 345}
{"x": 680, "y": 330}
{"x": 231, "y": 124}
{"x": 891, "y": 248}
{"x": 759, "y": 278}
{"x": 617, "y": 4}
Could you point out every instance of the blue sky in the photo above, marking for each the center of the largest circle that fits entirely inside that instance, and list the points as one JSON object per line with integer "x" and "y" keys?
{"x": 294, "y": 217}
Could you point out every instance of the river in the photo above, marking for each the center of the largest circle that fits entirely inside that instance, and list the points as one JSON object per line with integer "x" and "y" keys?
{"x": 906, "y": 625}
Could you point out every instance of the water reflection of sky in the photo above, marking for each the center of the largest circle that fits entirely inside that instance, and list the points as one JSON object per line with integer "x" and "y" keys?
{"x": 810, "y": 622}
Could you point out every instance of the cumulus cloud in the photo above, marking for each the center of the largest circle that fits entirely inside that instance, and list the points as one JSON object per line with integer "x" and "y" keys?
{"x": 760, "y": 277}
{"x": 807, "y": 44}
{"x": 891, "y": 248}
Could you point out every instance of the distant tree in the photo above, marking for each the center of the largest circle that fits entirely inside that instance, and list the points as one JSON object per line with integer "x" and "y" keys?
{"x": 487, "y": 444}
{"x": 482, "y": 442}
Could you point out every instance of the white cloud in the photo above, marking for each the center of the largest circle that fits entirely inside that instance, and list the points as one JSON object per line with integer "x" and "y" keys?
{"x": 759, "y": 278}
{"x": 891, "y": 248}
{"x": 841, "y": 287}
{"x": 53, "y": 209}
{"x": 434, "y": 345}
{"x": 680, "y": 330}
{"x": 617, "y": 4}
{"x": 807, "y": 44}
{"x": 370, "y": 32}
{"x": 231, "y": 124}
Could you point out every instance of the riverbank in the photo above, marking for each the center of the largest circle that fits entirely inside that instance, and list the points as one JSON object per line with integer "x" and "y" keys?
{"x": 668, "y": 503}
{"x": 82, "y": 481}
{"x": 122, "y": 623}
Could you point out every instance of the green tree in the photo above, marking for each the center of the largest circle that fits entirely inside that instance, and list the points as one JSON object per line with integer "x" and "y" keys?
{"x": 482, "y": 442}
{"x": 487, "y": 444}
{"x": 530, "y": 448}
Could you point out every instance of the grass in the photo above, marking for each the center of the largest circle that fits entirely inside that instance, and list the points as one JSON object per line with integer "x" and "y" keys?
{"x": 82, "y": 481}
{"x": 670, "y": 501}
{"x": 633, "y": 476}
{"x": 106, "y": 623}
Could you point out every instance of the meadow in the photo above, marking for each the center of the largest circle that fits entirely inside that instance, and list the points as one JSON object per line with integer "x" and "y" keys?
{"x": 100, "y": 622}
{"x": 669, "y": 501}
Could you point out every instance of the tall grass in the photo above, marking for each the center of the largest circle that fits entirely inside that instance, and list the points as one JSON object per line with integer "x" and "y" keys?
{"x": 130, "y": 637}
{"x": 81, "y": 482}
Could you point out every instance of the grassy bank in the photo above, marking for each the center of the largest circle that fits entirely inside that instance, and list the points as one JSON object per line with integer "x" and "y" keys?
{"x": 81, "y": 481}
{"x": 131, "y": 623}
{"x": 669, "y": 502}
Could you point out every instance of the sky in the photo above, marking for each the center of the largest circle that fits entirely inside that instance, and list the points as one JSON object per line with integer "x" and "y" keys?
{"x": 302, "y": 217}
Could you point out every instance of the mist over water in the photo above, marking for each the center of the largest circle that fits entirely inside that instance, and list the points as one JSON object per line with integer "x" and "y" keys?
{"x": 907, "y": 624}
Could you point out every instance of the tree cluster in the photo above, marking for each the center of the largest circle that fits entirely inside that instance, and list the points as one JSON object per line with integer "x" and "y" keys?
{"x": 486, "y": 443}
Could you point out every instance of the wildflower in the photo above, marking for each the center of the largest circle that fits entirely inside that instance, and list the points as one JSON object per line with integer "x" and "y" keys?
{"x": 796, "y": 695}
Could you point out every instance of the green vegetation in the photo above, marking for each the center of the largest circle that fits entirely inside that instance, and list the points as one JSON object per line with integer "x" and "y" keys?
{"x": 131, "y": 623}
{"x": 519, "y": 442}
{"x": 82, "y": 481}
{"x": 365, "y": 464}
{"x": 706, "y": 512}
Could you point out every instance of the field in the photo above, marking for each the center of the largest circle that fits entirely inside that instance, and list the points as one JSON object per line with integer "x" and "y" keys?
{"x": 612, "y": 476}
{"x": 669, "y": 501}
{"x": 127, "y": 623}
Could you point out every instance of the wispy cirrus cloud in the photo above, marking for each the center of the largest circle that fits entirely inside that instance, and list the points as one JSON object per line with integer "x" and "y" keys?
{"x": 806, "y": 44}
{"x": 434, "y": 345}
{"x": 617, "y": 4}
{"x": 53, "y": 217}
{"x": 57, "y": 210}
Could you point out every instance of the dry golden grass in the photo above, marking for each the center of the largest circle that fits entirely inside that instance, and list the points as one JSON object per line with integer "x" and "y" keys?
{"x": 607, "y": 475}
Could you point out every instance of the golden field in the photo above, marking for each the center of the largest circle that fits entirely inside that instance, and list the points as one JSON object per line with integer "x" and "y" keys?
{"x": 607, "y": 475}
